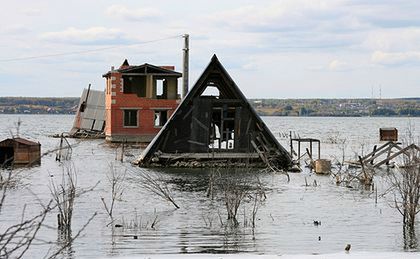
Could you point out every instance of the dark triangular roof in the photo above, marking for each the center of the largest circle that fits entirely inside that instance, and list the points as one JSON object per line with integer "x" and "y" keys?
{"x": 20, "y": 141}
{"x": 149, "y": 69}
{"x": 146, "y": 69}
{"x": 125, "y": 63}
{"x": 214, "y": 75}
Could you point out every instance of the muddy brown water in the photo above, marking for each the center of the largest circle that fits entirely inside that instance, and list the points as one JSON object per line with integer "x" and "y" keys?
{"x": 285, "y": 221}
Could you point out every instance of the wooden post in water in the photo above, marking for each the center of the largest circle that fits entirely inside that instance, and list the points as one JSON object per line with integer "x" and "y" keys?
{"x": 299, "y": 152}
{"x": 363, "y": 170}
{"x": 122, "y": 151}
{"x": 310, "y": 148}
{"x": 291, "y": 145}
{"x": 58, "y": 155}
{"x": 373, "y": 154}
{"x": 387, "y": 156}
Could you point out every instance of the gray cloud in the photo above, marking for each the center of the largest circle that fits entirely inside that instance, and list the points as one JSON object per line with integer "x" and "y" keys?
{"x": 302, "y": 46}
{"x": 32, "y": 11}
{"x": 396, "y": 58}
{"x": 90, "y": 36}
{"x": 15, "y": 29}
{"x": 130, "y": 14}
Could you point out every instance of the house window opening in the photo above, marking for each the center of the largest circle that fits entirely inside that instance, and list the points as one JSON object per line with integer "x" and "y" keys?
{"x": 222, "y": 129}
{"x": 6, "y": 156}
{"x": 130, "y": 118}
{"x": 161, "y": 117}
{"x": 135, "y": 85}
{"x": 161, "y": 89}
{"x": 211, "y": 91}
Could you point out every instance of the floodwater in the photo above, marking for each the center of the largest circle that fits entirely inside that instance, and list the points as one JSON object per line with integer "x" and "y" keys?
{"x": 285, "y": 221}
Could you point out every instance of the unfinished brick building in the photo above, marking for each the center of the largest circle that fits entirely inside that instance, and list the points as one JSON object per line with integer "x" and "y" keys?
{"x": 138, "y": 101}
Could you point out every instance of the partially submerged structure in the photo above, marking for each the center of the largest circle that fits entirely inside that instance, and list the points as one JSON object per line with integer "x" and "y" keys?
{"x": 215, "y": 124}
{"x": 390, "y": 150}
{"x": 19, "y": 151}
{"x": 388, "y": 134}
{"x": 90, "y": 116}
{"x": 138, "y": 101}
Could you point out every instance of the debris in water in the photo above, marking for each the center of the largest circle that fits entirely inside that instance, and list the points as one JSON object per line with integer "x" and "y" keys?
{"x": 317, "y": 223}
{"x": 348, "y": 246}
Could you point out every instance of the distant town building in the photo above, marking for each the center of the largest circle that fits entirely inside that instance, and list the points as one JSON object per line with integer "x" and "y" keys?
{"x": 139, "y": 100}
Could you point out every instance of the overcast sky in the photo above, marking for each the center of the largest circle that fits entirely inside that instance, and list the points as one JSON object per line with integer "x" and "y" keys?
{"x": 272, "y": 49}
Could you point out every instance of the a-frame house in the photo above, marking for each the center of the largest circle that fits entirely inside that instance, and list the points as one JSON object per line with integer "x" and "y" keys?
{"x": 215, "y": 124}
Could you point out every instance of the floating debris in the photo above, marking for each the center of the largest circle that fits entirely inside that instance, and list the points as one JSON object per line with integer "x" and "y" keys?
{"x": 90, "y": 117}
{"x": 347, "y": 248}
{"x": 322, "y": 166}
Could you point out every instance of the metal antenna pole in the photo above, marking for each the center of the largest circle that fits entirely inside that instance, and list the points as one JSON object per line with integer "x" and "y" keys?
{"x": 185, "y": 65}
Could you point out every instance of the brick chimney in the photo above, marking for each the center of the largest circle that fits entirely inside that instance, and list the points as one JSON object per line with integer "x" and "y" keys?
{"x": 168, "y": 67}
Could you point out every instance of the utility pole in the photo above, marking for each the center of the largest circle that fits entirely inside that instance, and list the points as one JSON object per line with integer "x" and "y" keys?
{"x": 380, "y": 91}
{"x": 185, "y": 66}
{"x": 371, "y": 92}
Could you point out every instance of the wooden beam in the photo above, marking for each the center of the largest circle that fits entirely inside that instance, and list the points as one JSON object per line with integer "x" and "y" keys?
{"x": 204, "y": 127}
{"x": 260, "y": 153}
{"x": 153, "y": 74}
{"x": 196, "y": 143}
{"x": 187, "y": 114}
{"x": 377, "y": 150}
{"x": 212, "y": 155}
{"x": 404, "y": 150}
{"x": 384, "y": 150}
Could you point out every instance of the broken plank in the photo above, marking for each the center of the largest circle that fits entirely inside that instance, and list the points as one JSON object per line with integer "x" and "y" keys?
{"x": 201, "y": 124}
{"x": 215, "y": 155}
{"x": 260, "y": 153}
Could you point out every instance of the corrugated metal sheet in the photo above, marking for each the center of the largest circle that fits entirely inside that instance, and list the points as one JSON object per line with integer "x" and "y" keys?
{"x": 92, "y": 118}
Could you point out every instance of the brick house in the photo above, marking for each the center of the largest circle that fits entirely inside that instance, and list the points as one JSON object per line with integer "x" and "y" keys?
{"x": 139, "y": 100}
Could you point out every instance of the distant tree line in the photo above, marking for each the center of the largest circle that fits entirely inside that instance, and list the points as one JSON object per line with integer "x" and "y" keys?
{"x": 265, "y": 107}
{"x": 38, "y": 105}
{"x": 337, "y": 107}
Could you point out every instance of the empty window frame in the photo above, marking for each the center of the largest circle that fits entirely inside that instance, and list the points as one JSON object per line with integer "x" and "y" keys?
{"x": 131, "y": 118}
{"x": 135, "y": 85}
{"x": 161, "y": 117}
{"x": 222, "y": 128}
{"x": 161, "y": 88}
{"x": 212, "y": 91}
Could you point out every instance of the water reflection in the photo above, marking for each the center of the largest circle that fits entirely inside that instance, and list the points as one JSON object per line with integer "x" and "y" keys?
{"x": 113, "y": 248}
{"x": 235, "y": 239}
{"x": 64, "y": 245}
{"x": 410, "y": 239}
{"x": 286, "y": 219}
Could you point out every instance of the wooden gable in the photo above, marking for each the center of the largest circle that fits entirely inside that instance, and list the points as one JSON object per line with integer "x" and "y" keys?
{"x": 215, "y": 120}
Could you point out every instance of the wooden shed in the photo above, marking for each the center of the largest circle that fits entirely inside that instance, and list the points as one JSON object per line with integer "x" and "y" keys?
{"x": 19, "y": 151}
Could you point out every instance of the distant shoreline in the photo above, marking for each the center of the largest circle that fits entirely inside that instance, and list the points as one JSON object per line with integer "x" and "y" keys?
{"x": 262, "y": 115}
{"x": 357, "y": 107}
